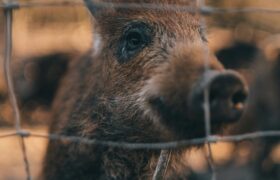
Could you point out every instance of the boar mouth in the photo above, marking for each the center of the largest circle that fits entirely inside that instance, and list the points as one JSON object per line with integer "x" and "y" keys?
{"x": 179, "y": 122}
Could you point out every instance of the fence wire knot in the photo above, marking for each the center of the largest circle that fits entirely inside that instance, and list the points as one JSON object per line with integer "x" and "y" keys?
{"x": 8, "y": 5}
{"x": 23, "y": 133}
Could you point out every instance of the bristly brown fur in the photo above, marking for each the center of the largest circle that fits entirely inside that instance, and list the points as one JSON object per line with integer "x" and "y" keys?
{"x": 103, "y": 99}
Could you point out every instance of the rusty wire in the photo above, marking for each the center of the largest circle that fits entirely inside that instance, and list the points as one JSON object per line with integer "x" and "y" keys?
{"x": 166, "y": 147}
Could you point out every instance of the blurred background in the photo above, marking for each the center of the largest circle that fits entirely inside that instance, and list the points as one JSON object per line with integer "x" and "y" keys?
{"x": 44, "y": 38}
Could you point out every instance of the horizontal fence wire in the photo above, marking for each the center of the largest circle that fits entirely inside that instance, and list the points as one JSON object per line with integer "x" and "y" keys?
{"x": 152, "y": 6}
{"x": 152, "y": 146}
{"x": 166, "y": 147}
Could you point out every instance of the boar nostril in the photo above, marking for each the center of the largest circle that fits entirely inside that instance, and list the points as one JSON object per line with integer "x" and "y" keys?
{"x": 238, "y": 99}
{"x": 228, "y": 95}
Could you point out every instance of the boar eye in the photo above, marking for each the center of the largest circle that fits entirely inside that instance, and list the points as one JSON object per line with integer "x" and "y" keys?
{"x": 135, "y": 38}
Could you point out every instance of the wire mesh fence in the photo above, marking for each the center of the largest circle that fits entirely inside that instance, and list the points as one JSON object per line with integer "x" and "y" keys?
{"x": 10, "y": 7}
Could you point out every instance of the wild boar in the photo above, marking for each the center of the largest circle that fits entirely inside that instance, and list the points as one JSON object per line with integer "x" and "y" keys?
{"x": 143, "y": 81}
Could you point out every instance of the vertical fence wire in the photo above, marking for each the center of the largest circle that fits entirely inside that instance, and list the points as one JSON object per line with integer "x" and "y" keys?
{"x": 25, "y": 158}
{"x": 206, "y": 104}
{"x": 7, "y": 66}
{"x": 8, "y": 13}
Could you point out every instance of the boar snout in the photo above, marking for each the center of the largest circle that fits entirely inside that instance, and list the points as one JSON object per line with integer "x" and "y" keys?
{"x": 227, "y": 96}
{"x": 181, "y": 111}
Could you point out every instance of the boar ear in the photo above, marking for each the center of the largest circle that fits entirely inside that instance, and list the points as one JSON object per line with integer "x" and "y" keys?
{"x": 98, "y": 7}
